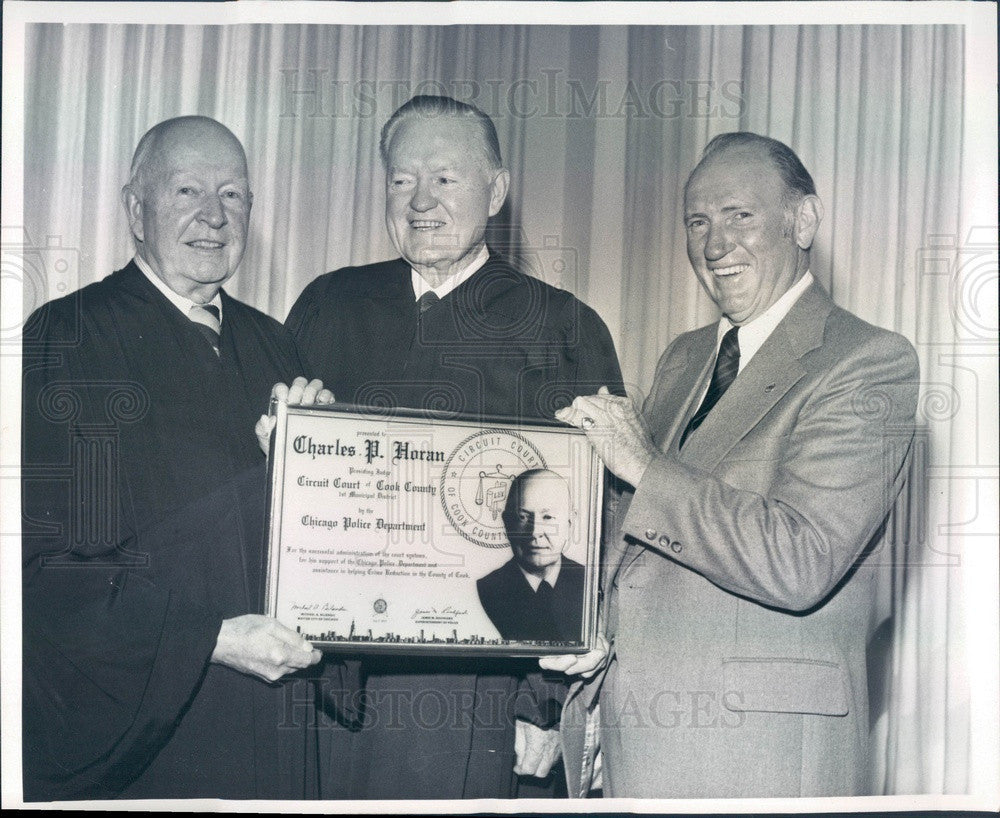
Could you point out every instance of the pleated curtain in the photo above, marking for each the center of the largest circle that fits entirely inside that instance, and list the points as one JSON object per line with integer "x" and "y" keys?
{"x": 600, "y": 126}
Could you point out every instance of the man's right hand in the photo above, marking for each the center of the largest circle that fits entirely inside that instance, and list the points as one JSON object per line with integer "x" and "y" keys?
{"x": 585, "y": 665}
{"x": 261, "y": 646}
{"x": 302, "y": 392}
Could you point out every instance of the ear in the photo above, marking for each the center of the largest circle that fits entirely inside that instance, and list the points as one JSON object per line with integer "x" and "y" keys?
{"x": 498, "y": 190}
{"x": 133, "y": 210}
{"x": 807, "y": 218}
{"x": 569, "y": 532}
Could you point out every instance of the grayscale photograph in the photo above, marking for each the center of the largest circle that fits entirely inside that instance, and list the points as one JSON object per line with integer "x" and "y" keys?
{"x": 449, "y": 403}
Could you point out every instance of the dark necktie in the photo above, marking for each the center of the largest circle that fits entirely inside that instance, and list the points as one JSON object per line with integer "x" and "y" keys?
{"x": 544, "y": 624}
{"x": 426, "y": 301}
{"x": 206, "y": 319}
{"x": 543, "y": 595}
{"x": 727, "y": 364}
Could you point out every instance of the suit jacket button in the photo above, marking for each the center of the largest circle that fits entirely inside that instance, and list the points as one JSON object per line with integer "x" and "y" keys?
{"x": 650, "y": 534}
{"x": 676, "y": 547}
{"x": 664, "y": 541}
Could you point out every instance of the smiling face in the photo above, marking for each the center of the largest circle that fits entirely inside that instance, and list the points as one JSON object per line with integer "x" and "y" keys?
{"x": 440, "y": 192}
{"x": 190, "y": 210}
{"x": 747, "y": 241}
{"x": 537, "y": 519}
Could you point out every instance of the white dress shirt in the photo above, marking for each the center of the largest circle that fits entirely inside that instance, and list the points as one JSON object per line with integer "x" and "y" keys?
{"x": 182, "y": 303}
{"x": 754, "y": 333}
{"x": 420, "y": 285}
{"x": 551, "y": 575}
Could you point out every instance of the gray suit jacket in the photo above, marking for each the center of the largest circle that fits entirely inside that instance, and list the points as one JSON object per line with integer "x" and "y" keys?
{"x": 742, "y": 588}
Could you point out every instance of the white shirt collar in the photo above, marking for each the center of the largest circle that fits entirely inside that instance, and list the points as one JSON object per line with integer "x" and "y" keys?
{"x": 420, "y": 285}
{"x": 183, "y": 303}
{"x": 551, "y": 575}
{"x": 755, "y": 333}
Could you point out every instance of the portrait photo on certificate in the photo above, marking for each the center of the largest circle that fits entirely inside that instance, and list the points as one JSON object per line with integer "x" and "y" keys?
{"x": 406, "y": 532}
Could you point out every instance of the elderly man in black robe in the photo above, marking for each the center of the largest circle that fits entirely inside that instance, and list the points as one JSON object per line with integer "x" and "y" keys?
{"x": 148, "y": 670}
{"x": 449, "y": 326}
{"x": 538, "y": 593}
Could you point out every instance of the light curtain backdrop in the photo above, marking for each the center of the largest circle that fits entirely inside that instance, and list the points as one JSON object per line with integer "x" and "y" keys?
{"x": 600, "y": 126}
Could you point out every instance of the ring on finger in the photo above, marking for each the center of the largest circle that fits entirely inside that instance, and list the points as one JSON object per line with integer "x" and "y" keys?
{"x": 587, "y": 422}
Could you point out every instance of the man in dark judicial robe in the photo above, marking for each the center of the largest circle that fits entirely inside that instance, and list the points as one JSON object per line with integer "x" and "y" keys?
{"x": 449, "y": 326}
{"x": 147, "y": 669}
{"x": 513, "y": 605}
{"x": 538, "y": 594}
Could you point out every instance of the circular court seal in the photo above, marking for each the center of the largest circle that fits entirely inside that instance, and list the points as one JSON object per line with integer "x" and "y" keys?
{"x": 476, "y": 480}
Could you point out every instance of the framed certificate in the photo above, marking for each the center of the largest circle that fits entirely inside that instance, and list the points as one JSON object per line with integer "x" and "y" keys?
{"x": 439, "y": 536}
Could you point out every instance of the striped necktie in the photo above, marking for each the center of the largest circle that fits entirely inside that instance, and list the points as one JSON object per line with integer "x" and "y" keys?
{"x": 206, "y": 319}
{"x": 727, "y": 364}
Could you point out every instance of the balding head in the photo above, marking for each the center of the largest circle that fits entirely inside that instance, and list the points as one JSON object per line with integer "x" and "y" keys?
{"x": 188, "y": 203}
{"x": 537, "y": 518}
{"x": 181, "y": 131}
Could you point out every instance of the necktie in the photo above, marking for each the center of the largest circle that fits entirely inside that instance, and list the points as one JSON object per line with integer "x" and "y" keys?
{"x": 544, "y": 597}
{"x": 727, "y": 364}
{"x": 544, "y": 626}
{"x": 206, "y": 319}
{"x": 426, "y": 301}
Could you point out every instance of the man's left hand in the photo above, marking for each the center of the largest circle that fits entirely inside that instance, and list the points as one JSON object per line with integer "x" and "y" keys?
{"x": 302, "y": 392}
{"x": 616, "y": 431}
{"x": 584, "y": 665}
{"x": 536, "y": 749}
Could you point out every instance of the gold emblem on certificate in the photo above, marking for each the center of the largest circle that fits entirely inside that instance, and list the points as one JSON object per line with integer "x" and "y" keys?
{"x": 432, "y": 535}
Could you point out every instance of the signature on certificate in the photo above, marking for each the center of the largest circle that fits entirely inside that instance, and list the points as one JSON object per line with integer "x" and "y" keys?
{"x": 433, "y": 613}
{"x": 326, "y": 607}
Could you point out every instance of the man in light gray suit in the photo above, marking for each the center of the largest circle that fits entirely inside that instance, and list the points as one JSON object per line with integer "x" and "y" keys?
{"x": 740, "y": 592}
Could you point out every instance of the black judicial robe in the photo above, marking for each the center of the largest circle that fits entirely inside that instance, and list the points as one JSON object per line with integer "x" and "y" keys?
{"x": 501, "y": 343}
{"x": 513, "y": 605}
{"x": 143, "y": 499}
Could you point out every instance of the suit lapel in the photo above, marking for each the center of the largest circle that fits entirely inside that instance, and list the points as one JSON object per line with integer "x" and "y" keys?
{"x": 757, "y": 388}
{"x": 774, "y": 370}
{"x": 680, "y": 388}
